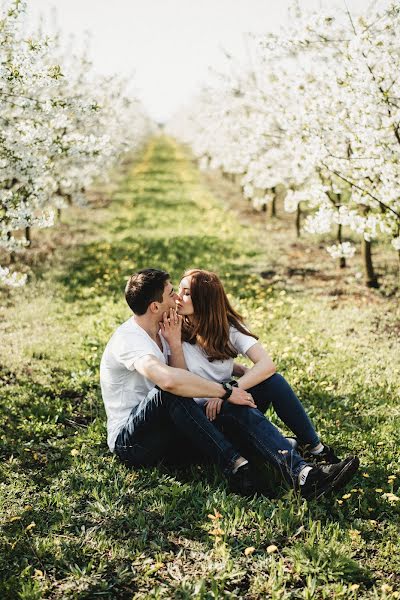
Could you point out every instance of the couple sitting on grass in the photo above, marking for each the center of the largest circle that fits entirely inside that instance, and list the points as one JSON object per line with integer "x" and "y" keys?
{"x": 169, "y": 392}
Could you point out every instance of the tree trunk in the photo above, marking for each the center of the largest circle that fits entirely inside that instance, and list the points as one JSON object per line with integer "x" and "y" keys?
{"x": 298, "y": 221}
{"x": 12, "y": 253}
{"x": 28, "y": 236}
{"x": 272, "y": 212}
{"x": 371, "y": 279}
{"x": 342, "y": 260}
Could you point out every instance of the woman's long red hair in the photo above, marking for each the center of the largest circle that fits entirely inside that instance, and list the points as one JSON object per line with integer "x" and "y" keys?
{"x": 213, "y": 316}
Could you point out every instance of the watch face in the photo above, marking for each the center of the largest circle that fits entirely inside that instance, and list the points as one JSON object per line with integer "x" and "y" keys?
{"x": 227, "y": 386}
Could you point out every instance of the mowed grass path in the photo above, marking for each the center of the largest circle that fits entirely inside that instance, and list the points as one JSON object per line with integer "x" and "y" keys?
{"x": 77, "y": 524}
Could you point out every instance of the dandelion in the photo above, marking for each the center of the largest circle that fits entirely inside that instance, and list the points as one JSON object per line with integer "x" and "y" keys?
{"x": 248, "y": 551}
{"x": 74, "y": 452}
{"x": 392, "y": 498}
{"x": 30, "y": 526}
{"x": 379, "y": 490}
{"x": 346, "y": 496}
{"x": 365, "y": 475}
{"x": 386, "y": 588}
{"x": 38, "y": 573}
{"x": 217, "y": 531}
{"x": 271, "y": 549}
{"x": 216, "y": 515}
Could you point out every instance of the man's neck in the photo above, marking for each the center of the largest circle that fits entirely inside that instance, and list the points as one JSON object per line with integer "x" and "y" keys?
{"x": 151, "y": 326}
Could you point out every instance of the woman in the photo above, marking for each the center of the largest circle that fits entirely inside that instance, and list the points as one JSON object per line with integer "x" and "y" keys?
{"x": 213, "y": 334}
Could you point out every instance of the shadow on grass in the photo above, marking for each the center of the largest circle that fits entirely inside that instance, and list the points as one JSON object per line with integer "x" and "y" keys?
{"x": 101, "y": 268}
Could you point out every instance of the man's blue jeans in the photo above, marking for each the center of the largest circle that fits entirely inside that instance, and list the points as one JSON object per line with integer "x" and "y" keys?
{"x": 162, "y": 422}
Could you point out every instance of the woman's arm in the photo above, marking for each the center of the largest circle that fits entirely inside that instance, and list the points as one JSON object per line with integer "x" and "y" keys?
{"x": 171, "y": 329}
{"x": 177, "y": 358}
{"x": 262, "y": 369}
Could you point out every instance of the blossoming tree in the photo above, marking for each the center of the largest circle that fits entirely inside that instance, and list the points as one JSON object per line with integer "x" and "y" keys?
{"x": 62, "y": 128}
{"x": 318, "y": 112}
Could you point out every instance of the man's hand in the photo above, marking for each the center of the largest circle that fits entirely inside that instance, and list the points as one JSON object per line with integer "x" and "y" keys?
{"x": 240, "y": 396}
{"x": 239, "y": 370}
{"x": 213, "y": 407}
{"x": 171, "y": 327}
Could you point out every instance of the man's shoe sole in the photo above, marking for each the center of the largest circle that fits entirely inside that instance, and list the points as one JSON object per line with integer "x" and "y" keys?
{"x": 347, "y": 473}
{"x": 341, "y": 479}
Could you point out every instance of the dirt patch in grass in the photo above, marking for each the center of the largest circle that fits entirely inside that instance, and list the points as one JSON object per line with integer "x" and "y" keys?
{"x": 302, "y": 264}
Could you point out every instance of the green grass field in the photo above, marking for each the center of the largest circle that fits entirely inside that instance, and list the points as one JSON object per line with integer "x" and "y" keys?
{"x": 77, "y": 524}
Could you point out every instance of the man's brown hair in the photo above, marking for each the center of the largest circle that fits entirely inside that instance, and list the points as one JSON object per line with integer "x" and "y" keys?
{"x": 143, "y": 288}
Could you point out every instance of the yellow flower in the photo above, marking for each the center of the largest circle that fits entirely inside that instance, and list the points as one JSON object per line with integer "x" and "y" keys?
{"x": 354, "y": 587}
{"x": 248, "y": 551}
{"x": 271, "y": 549}
{"x": 391, "y": 497}
{"x": 339, "y": 501}
{"x": 216, "y": 515}
{"x": 15, "y": 519}
{"x": 38, "y": 573}
{"x": 74, "y": 452}
{"x": 346, "y": 496}
{"x": 217, "y": 531}
{"x": 379, "y": 490}
{"x": 365, "y": 475}
{"x": 30, "y": 526}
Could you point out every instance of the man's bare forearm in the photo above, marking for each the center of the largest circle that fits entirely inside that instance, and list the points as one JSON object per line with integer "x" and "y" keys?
{"x": 186, "y": 384}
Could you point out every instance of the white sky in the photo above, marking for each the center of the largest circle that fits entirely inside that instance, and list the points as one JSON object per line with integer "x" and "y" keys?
{"x": 168, "y": 44}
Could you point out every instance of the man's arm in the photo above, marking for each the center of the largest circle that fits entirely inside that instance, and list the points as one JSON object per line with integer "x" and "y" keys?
{"x": 186, "y": 384}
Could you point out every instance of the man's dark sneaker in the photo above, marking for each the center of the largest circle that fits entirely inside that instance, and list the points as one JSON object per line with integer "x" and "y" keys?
{"x": 323, "y": 479}
{"x": 326, "y": 457}
{"x": 246, "y": 483}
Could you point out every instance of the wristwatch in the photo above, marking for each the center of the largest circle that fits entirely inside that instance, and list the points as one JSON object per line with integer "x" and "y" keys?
{"x": 228, "y": 387}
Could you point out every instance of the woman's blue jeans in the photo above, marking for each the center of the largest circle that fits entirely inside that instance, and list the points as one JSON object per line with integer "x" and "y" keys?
{"x": 165, "y": 424}
{"x": 277, "y": 392}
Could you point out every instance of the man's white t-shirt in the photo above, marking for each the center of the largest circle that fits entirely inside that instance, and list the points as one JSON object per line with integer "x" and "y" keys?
{"x": 218, "y": 370}
{"x": 122, "y": 386}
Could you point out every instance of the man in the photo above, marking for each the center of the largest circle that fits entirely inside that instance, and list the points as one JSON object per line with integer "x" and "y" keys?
{"x": 150, "y": 405}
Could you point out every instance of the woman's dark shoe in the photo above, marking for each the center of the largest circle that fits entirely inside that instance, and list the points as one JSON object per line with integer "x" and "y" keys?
{"x": 246, "y": 483}
{"x": 323, "y": 479}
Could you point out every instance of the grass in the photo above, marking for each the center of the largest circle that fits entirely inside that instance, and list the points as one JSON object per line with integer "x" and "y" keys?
{"x": 77, "y": 524}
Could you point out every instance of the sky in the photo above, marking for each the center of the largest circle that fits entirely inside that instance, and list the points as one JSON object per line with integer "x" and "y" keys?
{"x": 168, "y": 45}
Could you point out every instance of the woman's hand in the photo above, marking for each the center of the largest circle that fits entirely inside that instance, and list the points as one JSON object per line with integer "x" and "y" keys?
{"x": 213, "y": 407}
{"x": 171, "y": 328}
